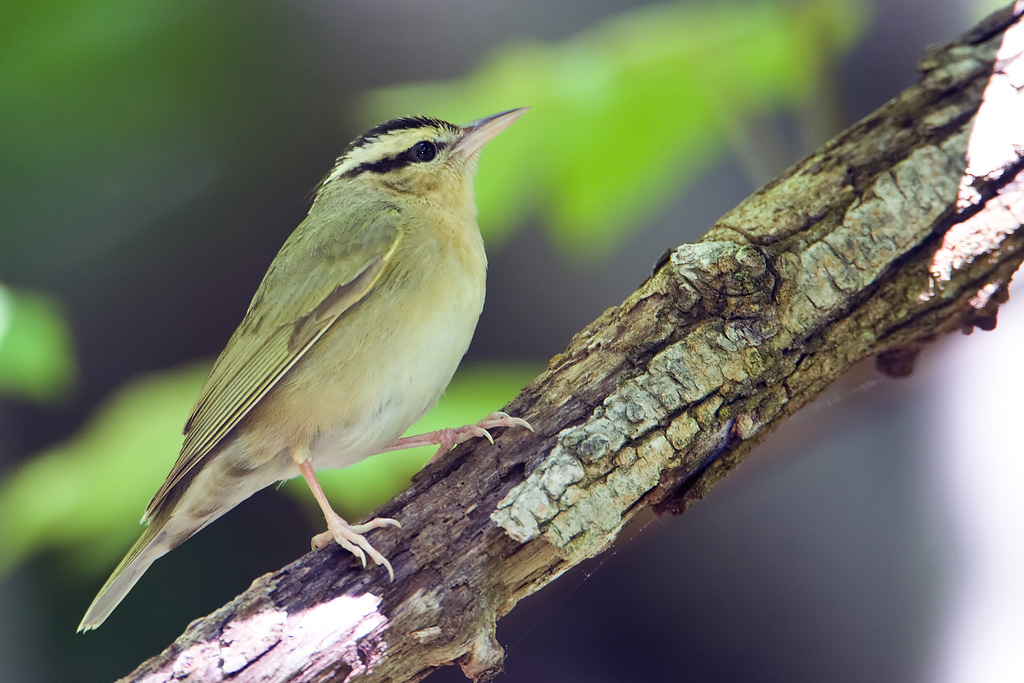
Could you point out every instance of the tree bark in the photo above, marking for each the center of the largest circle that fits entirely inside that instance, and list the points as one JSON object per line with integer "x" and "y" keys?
{"x": 902, "y": 228}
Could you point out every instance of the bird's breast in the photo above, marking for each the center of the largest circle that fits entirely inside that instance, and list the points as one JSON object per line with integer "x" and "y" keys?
{"x": 386, "y": 361}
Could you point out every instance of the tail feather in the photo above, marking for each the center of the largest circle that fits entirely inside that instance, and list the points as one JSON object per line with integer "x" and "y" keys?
{"x": 148, "y": 548}
{"x": 220, "y": 484}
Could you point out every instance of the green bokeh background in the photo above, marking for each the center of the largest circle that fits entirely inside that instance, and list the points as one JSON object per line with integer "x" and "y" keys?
{"x": 155, "y": 155}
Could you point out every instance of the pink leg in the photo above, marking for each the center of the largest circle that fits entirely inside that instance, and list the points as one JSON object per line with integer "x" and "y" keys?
{"x": 447, "y": 439}
{"x": 348, "y": 536}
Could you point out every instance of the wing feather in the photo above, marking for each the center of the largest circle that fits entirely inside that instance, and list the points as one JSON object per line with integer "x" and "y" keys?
{"x": 322, "y": 270}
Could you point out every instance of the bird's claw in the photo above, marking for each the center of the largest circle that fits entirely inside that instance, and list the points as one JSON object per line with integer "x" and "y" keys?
{"x": 350, "y": 537}
{"x": 500, "y": 419}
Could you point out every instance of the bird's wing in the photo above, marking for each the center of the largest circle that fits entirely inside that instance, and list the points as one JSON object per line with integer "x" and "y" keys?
{"x": 322, "y": 270}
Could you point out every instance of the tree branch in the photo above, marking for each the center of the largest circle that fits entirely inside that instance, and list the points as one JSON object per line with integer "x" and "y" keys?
{"x": 900, "y": 229}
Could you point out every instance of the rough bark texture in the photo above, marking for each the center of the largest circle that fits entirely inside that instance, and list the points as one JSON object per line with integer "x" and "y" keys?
{"x": 891, "y": 234}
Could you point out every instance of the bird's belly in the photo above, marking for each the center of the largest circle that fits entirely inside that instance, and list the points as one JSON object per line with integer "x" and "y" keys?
{"x": 375, "y": 372}
{"x": 402, "y": 385}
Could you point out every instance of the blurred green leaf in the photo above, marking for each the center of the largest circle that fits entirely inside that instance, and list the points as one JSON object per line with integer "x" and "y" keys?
{"x": 82, "y": 495}
{"x": 36, "y": 356}
{"x": 627, "y": 112}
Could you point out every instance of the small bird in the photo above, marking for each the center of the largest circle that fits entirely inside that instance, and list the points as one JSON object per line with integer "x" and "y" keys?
{"x": 354, "y": 333}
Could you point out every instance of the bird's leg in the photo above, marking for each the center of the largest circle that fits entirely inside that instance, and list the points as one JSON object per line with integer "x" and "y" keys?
{"x": 446, "y": 439}
{"x": 348, "y": 536}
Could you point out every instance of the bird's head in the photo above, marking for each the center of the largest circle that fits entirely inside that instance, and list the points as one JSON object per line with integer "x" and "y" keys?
{"x": 416, "y": 155}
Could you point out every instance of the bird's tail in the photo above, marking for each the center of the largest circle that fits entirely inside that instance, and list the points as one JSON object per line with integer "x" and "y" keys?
{"x": 149, "y": 547}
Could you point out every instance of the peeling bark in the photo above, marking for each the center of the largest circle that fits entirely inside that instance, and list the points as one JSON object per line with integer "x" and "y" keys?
{"x": 905, "y": 227}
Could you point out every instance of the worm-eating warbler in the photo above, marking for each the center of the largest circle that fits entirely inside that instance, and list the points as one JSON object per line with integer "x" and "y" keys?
{"x": 352, "y": 336}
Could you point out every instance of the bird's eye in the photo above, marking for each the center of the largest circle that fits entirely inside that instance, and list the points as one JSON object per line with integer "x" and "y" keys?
{"x": 424, "y": 150}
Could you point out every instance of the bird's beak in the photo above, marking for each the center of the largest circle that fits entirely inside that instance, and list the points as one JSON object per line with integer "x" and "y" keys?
{"x": 480, "y": 132}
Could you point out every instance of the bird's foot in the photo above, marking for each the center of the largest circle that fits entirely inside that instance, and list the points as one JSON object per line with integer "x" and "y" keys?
{"x": 450, "y": 438}
{"x": 447, "y": 439}
{"x": 350, "y": 537}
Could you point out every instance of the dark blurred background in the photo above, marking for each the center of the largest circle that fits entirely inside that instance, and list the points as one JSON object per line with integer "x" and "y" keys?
{"x": 153, "y": 158}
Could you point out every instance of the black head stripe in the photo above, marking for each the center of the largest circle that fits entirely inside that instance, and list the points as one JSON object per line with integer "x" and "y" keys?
{"x": 388, "y": 164}
{"x": 404, "y": 123}
{"x": 385, "y": 165}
